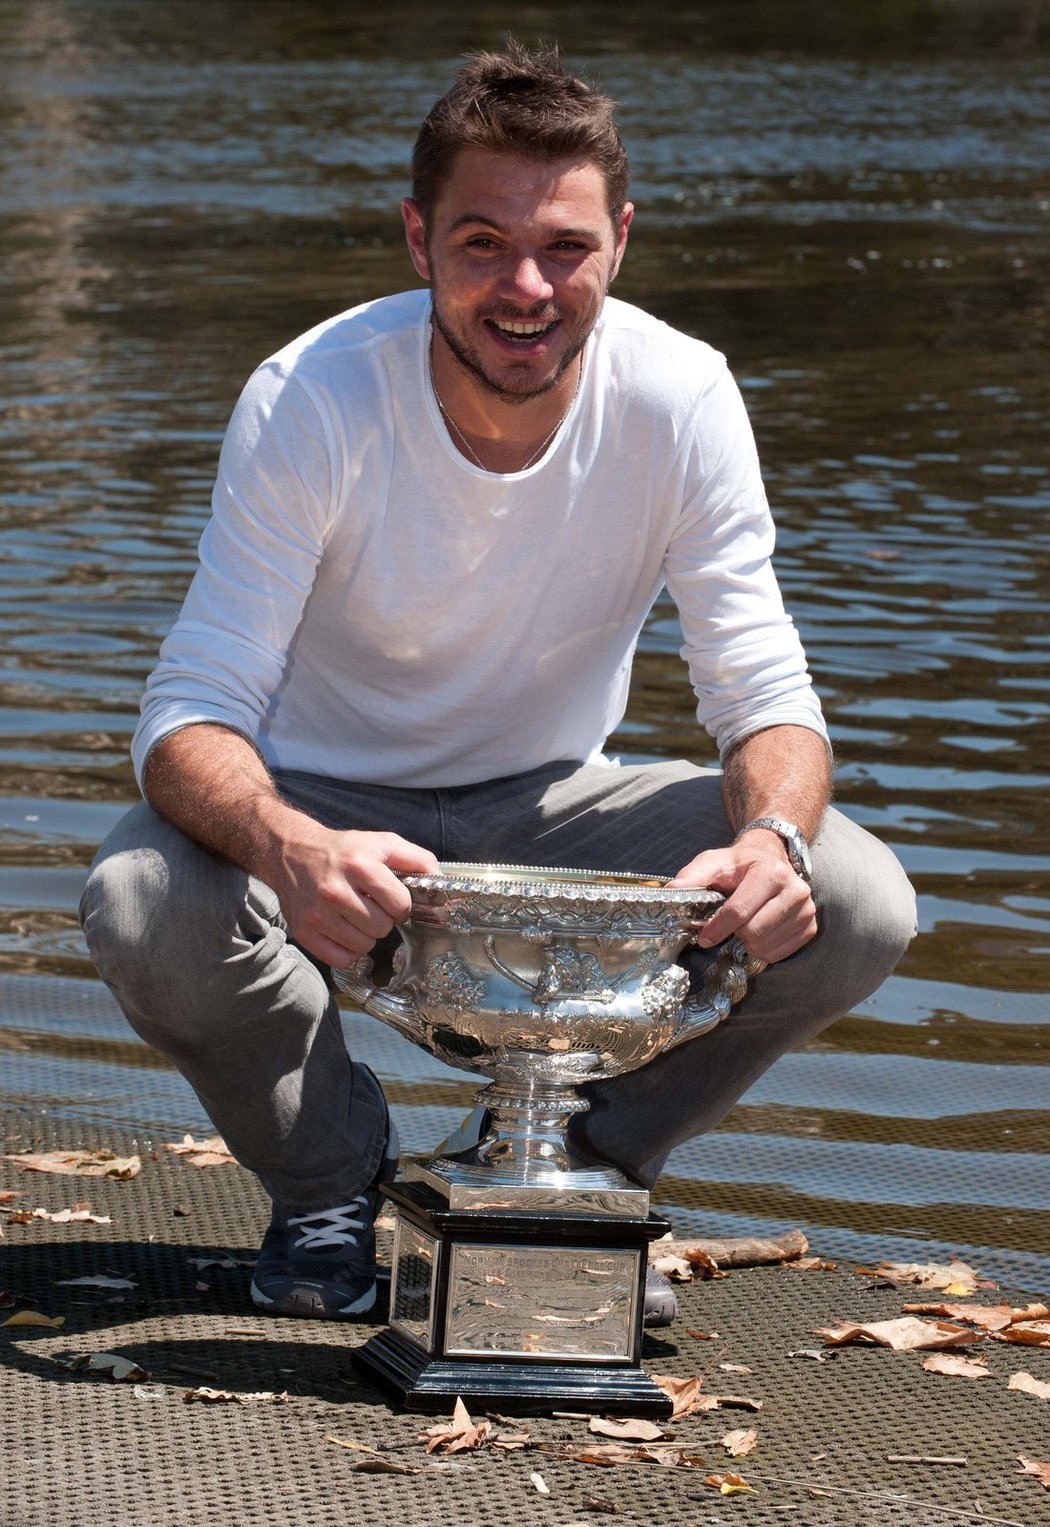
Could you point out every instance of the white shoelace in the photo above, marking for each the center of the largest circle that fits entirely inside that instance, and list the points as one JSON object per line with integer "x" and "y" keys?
{"x": 329, "y": 1228}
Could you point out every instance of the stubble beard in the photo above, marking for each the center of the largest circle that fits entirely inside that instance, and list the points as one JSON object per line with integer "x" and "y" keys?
{"x": 471, "y": 362}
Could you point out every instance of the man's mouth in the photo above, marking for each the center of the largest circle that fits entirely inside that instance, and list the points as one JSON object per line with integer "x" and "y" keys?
{"x": 522, "y": 332}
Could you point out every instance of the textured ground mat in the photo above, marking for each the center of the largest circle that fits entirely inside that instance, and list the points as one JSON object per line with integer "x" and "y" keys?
{"x": 857, "y": 1435}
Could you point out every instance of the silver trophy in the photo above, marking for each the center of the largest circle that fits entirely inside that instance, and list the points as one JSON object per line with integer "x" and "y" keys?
{"x": 519, "y": 1264}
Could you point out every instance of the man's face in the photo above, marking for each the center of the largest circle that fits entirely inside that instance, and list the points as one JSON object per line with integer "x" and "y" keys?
{"x": 519, "y": 255}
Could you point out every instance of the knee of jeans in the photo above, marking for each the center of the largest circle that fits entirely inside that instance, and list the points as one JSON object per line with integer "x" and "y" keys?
{"x": 152, "y": 926}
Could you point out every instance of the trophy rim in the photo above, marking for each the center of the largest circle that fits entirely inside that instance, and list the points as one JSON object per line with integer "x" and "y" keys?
{"x": 561, "y": 883}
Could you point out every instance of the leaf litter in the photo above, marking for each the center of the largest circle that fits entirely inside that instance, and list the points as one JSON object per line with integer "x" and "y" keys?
{"x": 101, "y": 1163}
{"x": 202, "y": 1153}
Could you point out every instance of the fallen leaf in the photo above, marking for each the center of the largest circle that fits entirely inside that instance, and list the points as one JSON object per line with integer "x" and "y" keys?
{"x": 1040, "y": 1470}
{"x": 627, "y": 1430}
{"x": 813, "y": 1264}
{"x": 202, "y": 1153}
{"x": 1026, "y": 1384}
{"x": 539, "y": 1483}
{"x": 458, "y": 1435}
{"x": 601, "y": 1503}
{"x": 956, "y": 1367}
{"x": 989, "y": 1317}
{"x": 684, "y": 1394}
{"x": 34, "y": 1318}
{"x": 954, "y": 1277}
{"x": 675, "y": 1268}
{"x": 200, "y": 1263}
{"x": 388, "y": 1466}
{"x": 101, "y": 1281}
{"x": 907, "y": 1334}
{"x": 67, "y": 1216}
{"x": 739, "y": 1443}
{"x": 728, "y": 1483}
{"x": 143, "y": 1393}
{"x": 734, "y": 1368}
{"x": 815, "y": 1353}
{"x": 120, "y": 1369}
{"x": 9, "y": 1195}
{"x": 231, "y": 1397}
{"x": 1026, "y": 1333}
{"x": 703, "y": 1335}
{"x": 78, "y": 1163}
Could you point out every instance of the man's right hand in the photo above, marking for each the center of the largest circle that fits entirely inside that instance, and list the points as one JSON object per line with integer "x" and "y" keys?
{"x": 338, "y": 890}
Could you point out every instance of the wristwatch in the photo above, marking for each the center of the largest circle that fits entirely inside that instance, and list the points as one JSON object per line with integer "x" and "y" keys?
{"x": 794, "y": 841}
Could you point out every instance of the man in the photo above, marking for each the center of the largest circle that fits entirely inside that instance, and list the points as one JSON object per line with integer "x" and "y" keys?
{"x": 439, "y": 523}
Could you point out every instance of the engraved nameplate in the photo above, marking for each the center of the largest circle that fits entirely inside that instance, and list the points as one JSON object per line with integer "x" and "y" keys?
{"x": 412, "y": 1279}
{"x": 557, "y": 1302}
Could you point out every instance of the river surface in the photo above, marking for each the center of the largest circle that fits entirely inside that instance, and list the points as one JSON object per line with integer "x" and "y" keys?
{"x": 856, "y": 209}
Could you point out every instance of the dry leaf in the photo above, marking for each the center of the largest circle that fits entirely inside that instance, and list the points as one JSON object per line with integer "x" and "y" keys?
{"x": 539, "y": 1483}
{"x": 956, "y": 1367}
{"x": 459, "y": 1435}
{"x": 1040, "y": 1470}
{"x": 101, "y": 1281}
{"x": 9, "y": 1195}
{"x": 989, "y": 1317}
{"x": 813, "y": 1264}
{"x": 627, "y": 1430}
{"x": 1028, "y": 1385}
{"x": 601, "y": 1503}
{"x": 684, "y": 1394}
{"x": 229, "y": 1397}
{"x": 1026, "y": 1333}
{"x": 734, "y": 1368}
{"x": 78, "y": 1163}
{"x": 906, "y": 1334}
{"x": 200, "y": 1263}
{"x": 728, "y": 1483}
{"x": 120, "y": 1369}
{"x": 34, "y": 1318}
{"x": 81, "y": 1212}
{"x": 211, "y": 1152}
{"x": 739, "y": 1443}
{"x": 675, "y": 1268}
{"x": 389, "y": 1466}
{"x": 954, "y": 1277}
{"x": 703, "y": 1335}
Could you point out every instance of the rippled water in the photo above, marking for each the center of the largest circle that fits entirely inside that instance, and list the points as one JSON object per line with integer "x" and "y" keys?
{"x": 856, "y": 210}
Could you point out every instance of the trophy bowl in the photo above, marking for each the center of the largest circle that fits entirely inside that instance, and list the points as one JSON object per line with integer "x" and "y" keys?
{"x": 518, "y": 1263}
{"x": 543, "y": 979}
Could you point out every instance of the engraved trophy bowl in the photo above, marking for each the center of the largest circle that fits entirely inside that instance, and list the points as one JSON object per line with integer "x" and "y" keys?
{"x": 543, "y": 979}
{"x": 518, "y": 1264}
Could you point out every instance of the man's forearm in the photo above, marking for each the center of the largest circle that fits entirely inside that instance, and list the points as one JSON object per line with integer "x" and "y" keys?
{"x": 212, "y": 784}
{"x": 785, "y": 772}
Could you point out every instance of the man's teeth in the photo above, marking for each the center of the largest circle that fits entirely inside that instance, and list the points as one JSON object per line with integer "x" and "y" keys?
{"x": 523, "y": 328}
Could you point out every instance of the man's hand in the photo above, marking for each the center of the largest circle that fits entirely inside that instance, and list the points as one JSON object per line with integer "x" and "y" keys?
{"x": 338, "y": 890}
{"x": 784, "y": 771}
{"x": 768, "y": 905}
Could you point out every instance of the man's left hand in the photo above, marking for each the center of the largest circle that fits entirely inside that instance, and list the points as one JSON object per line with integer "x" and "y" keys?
{"x": 768, "y": 905}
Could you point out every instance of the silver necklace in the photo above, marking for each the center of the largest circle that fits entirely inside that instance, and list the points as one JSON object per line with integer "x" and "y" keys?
{"x": 470, "y": 449}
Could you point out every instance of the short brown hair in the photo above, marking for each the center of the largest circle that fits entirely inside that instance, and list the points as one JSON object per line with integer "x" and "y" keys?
{"x": 519, "y": 101}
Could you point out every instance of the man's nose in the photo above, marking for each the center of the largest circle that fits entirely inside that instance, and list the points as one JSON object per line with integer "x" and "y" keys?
{"x": 526, "y": 280}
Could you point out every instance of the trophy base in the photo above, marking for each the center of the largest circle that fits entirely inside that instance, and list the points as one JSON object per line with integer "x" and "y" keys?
{"x": 522, "y": 1310}
{"x": 465, "y": 1185}
{"x": 426, "y": 1383}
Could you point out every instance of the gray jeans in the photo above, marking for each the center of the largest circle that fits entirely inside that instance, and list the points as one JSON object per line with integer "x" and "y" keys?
{"x": 198, "y": 956}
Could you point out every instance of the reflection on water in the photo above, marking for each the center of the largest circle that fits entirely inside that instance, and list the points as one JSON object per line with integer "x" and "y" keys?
{"x": 855, "y": 208}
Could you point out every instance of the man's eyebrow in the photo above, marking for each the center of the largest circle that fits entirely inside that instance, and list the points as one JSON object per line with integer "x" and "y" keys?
{"x": 469, "y": 219}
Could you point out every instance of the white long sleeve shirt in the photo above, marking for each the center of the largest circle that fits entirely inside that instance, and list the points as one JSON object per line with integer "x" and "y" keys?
{"x": 372, "y": 606}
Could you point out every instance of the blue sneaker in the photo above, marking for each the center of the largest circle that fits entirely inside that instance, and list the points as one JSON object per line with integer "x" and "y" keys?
{"x": 322, "y": 1264}
{"x": 661, "y": 1301}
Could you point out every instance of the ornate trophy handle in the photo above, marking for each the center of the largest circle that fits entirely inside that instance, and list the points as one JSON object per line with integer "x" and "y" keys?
{"x": 724, "y": 985}
{"x": 355, "y": 981}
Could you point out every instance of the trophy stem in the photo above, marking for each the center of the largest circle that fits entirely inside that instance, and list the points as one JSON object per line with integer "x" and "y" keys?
{"x": 529, "y": 1128}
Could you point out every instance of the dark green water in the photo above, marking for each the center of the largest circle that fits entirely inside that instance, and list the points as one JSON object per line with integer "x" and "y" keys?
{"x": 852, "y": 202}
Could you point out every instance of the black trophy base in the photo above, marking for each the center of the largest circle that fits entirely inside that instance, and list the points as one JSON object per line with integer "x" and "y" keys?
{"x": 514, "y": 1310}
{"x": 426, "y": 1383}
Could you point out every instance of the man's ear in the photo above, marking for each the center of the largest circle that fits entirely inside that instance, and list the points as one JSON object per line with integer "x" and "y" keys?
{"x": 626, "y": 218}
{"x": 416, "y": 237}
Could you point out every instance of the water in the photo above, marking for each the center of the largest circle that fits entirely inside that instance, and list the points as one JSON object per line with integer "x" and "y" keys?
{"x": 855, "y": 208}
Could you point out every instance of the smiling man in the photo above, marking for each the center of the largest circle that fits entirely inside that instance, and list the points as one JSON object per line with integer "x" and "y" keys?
{"x": 439, "y": 523}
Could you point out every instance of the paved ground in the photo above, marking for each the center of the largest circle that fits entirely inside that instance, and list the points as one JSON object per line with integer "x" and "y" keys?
{"x": 80, "y": 1449}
